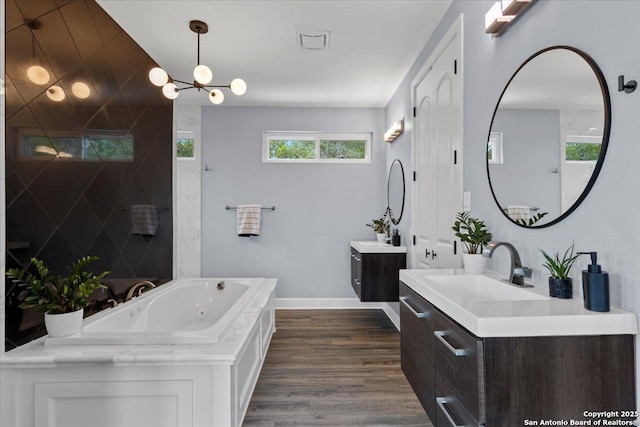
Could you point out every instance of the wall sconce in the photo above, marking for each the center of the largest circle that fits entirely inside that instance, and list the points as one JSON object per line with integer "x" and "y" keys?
{"x": 396, "y": 129}
{"x": 502, "y": 14}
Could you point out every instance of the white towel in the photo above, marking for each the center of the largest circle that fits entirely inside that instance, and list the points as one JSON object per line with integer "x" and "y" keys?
{"x": 248, "y": 220}
{"x": 519, "y": 212}
{"x": 144, "y": 219}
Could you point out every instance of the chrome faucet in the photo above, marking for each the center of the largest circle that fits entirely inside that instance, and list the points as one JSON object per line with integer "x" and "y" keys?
{"x": 137, "y": 288}
{"x": 517, "y": 272}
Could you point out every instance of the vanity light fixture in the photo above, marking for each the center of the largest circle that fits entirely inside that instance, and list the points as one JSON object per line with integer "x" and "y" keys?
{"x": 396, "y": 129}
{"x": 502, "y": 14}
{"x": 201, "y": 73}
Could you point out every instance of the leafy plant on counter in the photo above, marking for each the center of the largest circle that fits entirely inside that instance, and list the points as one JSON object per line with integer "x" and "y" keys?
{"x": 559, "y": 267}
{"x": 380, "y": 225}
{"x": 472, "y": 232}
{"x": 56, "y": 295}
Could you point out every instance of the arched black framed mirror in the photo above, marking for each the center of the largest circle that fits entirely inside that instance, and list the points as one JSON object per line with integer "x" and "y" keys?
{"x": 395, "y": 192}
{"x": 548, "y": 137}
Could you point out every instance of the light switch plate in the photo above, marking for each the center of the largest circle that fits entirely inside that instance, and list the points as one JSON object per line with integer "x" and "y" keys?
{"x": 466, "y": 201}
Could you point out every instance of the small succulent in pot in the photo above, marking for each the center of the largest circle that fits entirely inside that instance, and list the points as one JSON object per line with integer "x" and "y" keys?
{"x": 472, "y": 232}
{"x": 560, "y": 284}
{"x": 57, "y": 295}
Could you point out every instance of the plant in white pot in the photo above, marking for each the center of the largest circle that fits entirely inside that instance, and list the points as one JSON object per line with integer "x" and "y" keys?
{"x": 61, "y": 299}
{"x": 381, "y": 227}
{"x": 474, "y": 235}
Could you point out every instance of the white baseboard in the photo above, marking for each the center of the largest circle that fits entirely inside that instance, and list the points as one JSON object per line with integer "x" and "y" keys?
{"x": 336, "y": 304}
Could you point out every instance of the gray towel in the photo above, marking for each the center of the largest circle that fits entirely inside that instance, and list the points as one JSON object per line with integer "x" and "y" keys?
{"x": 144, "y": 219}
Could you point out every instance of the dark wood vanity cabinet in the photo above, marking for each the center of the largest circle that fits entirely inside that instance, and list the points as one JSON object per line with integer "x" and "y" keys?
{"x": 374, "y": 276}
{"x": 462, "y": 379}
{"x": 416, "y": 347}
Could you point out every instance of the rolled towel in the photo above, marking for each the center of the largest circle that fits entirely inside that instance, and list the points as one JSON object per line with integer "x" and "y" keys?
{"x": 144, "y": 219}
{"x": 248, "y": 220}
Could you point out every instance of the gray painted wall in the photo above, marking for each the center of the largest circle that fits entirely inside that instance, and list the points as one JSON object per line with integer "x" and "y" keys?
{"x": 531, "y": 149}
{"x": 607, "y": 220}
{"x": 319, "y": 207}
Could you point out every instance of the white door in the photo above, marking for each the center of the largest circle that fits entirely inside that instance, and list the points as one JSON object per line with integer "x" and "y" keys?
{"x": 437, "y": 155}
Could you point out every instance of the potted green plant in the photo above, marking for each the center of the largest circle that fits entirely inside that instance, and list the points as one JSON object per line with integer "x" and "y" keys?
{"x": 381, "y": 227}
{"x": 61, "y": 299}
{"x": 474, "y": 235}
{"x": 560, "y": 284}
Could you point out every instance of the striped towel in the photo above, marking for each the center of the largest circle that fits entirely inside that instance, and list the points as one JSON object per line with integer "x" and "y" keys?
{"x": 248, "y": 220}
{"x": 519, "y": 212}
{"x": 144, "y": 219}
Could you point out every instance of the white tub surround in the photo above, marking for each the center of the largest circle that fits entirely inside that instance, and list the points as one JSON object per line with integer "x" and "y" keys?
{"x": 179, "y": 385}
{"x": 374, "y": 247}
{"x": 489, "y": 308}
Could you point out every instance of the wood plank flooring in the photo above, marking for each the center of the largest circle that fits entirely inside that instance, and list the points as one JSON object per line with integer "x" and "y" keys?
{"x": 334, "y": 368}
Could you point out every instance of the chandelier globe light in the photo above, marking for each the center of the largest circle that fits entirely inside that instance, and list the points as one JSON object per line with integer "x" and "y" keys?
{"x": 201, "y": 73}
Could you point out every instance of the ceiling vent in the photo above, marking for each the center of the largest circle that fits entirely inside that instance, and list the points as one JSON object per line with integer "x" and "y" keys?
{"x": 313, "y": 39}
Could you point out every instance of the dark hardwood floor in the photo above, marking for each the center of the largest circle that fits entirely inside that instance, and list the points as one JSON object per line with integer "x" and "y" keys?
{"x": 334, "y": 368}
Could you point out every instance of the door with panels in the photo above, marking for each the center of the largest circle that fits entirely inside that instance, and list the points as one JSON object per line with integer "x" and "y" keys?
{"x": 437, "y": 155}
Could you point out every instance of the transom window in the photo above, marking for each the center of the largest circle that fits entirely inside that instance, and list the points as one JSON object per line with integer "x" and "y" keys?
{"x": 90, "y": 145}
{"x": 186, "y": 145}
{"x": 314, "y": 147}
{"x": 583, "y": 148}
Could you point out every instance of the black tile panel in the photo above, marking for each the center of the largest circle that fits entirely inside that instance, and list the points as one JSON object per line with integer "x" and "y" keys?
{"x": 67, "y": 191}
{"x": 80, "y": 24}
{"x": 13, "y": 17}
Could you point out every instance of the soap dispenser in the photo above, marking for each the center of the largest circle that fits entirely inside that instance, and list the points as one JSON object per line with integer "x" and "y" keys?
{"x": 595, "y": 285}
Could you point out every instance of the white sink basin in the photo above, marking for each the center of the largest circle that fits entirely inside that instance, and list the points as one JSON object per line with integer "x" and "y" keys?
{"x": 481, "y": 288}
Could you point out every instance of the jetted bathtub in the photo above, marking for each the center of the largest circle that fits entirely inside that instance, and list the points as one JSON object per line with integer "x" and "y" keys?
{"x": 185, "y": 354}
{"x": 183, "y": 311}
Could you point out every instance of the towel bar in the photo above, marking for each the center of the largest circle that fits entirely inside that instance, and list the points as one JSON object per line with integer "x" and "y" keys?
{"x": 233, "y": 208}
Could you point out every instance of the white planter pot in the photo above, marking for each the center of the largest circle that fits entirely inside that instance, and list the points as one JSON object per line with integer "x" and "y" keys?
{"x": 474, "y": 263}
{"x": 382, "y": 237}
{"x": 63, "y": 325}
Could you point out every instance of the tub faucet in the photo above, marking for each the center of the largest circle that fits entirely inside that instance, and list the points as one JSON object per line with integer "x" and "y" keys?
{"x": 517, "y": 272}
{"x": 137, "y": 288}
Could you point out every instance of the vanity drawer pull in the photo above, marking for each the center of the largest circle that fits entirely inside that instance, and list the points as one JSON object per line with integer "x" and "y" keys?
{"x": 441, "y": 401}
{"x": 457, "y": 351}
{"x": 403, "y": 300}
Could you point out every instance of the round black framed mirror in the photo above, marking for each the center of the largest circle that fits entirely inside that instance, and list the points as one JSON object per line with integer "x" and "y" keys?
{"x": 395, "y": 192}
{"x": 548, "y": 137}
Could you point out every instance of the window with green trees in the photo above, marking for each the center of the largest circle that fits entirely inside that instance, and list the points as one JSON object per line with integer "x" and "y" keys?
{"x": 583, "y": 151}
{"x": 91, "y": 145}
{"x": 306, "y": 147}
{"x": 185, "y": 145}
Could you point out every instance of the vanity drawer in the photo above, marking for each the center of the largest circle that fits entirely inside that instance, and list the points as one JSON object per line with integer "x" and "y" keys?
{"x": 416, "y": 346}
{"x": 450, "y": 412}
{"x": 459, "y": 361}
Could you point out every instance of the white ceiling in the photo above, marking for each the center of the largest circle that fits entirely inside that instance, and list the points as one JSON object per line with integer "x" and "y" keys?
{"x": 372, "y": 46}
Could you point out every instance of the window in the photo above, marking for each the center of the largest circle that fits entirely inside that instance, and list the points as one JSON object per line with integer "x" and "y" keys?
{"x": 494, "y": 148}
{"x": 583, "y": 148}
{"x": 312, "y": 147}
{"x": 186, "y": 145}
{"x": 91, "y": 145}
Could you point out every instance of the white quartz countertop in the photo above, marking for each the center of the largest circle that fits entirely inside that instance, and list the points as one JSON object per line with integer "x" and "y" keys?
{"x": 530, "y": 312}
{"x": 374, "y": 247}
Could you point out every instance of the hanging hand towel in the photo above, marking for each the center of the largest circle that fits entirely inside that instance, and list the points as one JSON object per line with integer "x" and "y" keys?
{"x": 144, "y": 219}
{"x": 248, "y": 220}
{"x": 519, "y": 212}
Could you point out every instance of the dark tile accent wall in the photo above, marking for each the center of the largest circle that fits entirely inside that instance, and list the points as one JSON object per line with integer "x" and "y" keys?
{"x": 76, "y": 166}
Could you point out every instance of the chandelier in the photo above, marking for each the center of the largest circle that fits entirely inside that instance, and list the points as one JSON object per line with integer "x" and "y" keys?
{"x": 201, "y": 73}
